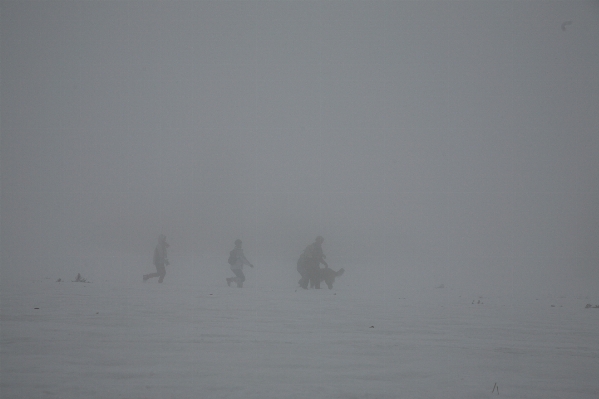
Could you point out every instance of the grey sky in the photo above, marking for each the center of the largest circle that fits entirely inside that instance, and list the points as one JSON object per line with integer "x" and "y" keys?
{"x": 457, "y": 135}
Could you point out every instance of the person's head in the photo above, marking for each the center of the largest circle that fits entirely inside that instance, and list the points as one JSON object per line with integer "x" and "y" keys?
{"x": 319, "y": 240}
{"x": 238, "y": 243}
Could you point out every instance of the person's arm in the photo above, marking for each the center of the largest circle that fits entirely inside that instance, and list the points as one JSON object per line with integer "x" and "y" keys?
{"x": 246, "y": 261}
{"x": 321, "y": 256}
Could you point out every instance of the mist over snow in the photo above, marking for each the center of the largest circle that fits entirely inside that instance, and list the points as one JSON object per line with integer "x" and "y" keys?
{"x": 455, "y": 140}
{"x": 430, "y": 143}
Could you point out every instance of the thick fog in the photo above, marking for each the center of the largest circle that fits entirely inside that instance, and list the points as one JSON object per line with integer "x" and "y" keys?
{"x": 428, "y": 142}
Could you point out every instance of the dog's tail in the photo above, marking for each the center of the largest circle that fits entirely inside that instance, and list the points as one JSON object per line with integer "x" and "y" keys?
{"x": 340, "y": 272}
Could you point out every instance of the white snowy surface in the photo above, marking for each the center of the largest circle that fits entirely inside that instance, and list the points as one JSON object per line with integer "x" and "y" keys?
{"x": 198, "y": 338}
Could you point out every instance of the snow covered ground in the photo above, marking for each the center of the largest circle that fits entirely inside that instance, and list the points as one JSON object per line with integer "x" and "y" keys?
{"x": 198, "y": 338}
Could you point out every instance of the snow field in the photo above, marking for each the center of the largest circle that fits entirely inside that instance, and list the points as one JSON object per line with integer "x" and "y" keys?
{"x": 180, "y": 339}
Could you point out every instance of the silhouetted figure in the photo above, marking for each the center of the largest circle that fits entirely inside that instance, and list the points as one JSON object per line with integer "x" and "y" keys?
{"x": 237, "y": 259}
{"x": 79, "y": 279}
{"x": 328, "y": 275}
{"x": 160, "y": 259}
{"x": 308, "y": 265}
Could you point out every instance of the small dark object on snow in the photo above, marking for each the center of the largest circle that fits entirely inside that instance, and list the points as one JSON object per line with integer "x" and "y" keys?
{"x": 591, "y": 306}
{"x": 79, "y": 279}
{"x": 371, "y": 326}
{"x": 495, "y": 387}
{"x": 59, "y": 280}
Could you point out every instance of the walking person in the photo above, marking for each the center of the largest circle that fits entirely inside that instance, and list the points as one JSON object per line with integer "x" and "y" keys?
{"x": 237, "y": 259}
{"x": 160, "y": 260}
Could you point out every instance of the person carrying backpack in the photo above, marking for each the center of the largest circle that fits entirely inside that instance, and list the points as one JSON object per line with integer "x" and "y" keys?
{"x": 237, "y": 259}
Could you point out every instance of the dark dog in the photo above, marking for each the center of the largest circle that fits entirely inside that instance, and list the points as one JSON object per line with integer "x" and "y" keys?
{"x": 328, "y": 275}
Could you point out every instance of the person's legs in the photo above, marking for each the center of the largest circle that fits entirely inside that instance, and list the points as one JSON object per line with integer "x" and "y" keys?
{"x": 314, "y": 272}
{"x": 161, "y": 272}
{"x": 303, "y": 282}
{"x": 240, "y": 278}
{"x": 302, "y": 269}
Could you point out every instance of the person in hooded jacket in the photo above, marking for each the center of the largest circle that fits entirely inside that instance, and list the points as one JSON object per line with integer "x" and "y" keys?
{"x": 237, "y": 259}
{"x": 308, "y": 265}
{"x": 160, "y": 260}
